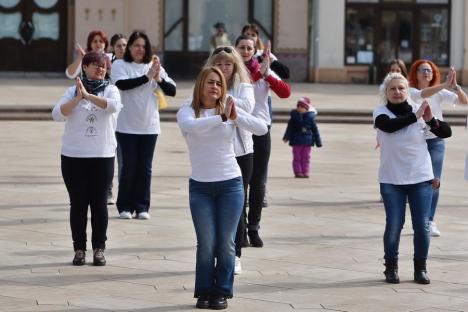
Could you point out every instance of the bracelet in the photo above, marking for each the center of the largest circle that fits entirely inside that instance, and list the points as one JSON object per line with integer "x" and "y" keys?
{"x": 456, "y": 88}
{"x": 224, "y": 117}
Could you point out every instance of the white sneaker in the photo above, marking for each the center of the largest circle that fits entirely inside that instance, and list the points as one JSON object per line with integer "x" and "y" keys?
{"x": 434, "y": 231}
{"x": 237, "y": 266}
{"x": 125, "y": 215}
{"x": 143, "y": 215}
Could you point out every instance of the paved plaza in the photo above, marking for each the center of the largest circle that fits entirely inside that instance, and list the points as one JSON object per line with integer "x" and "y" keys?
{"x": 323, "y": 236}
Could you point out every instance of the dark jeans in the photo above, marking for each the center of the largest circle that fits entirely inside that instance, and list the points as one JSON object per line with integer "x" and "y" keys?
{"x": 245, "y": 163}
{"x": 262, "y": 149}
{"x": 419, "y": 197}
{"x": 135, "y": 176}
{"x": 215, "y": 208}
{"x": 87, "y": 181}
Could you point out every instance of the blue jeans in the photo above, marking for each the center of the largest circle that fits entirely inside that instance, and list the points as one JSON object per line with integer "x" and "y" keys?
{"x": 135, "y": 177}
{"x": 419, "y": 198}
{"x": 436, "y": 149}
{"x": 216, "y": 208}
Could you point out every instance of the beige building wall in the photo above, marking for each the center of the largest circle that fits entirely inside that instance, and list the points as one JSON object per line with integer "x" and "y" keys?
{"x": 118, "y": 16}
{"x": 464, "y": 70}
{"x": 291, "y": 20}
{"x": 329, "y": 41}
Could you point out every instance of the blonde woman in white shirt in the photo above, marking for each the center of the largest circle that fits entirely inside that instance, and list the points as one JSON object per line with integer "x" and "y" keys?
{"x": 241, "y": 90}
{"x": 405, "y": 172}
{"x": 216, "y": 192}
{"x": 89, "y": 110}
{"x": 425, "y": 83}
{"x": 138, "y": 127}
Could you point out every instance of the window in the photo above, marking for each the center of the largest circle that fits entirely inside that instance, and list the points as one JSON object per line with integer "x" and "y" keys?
{"x": 434, "y": 36}
{"x": 359, "y": 36}
{"x": 188, "y": 24}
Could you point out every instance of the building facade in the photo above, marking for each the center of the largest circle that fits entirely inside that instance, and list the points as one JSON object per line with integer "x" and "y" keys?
{"x": 327, "y": 41}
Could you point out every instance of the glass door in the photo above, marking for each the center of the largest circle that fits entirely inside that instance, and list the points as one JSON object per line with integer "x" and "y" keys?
{"x": 395, "y": 40}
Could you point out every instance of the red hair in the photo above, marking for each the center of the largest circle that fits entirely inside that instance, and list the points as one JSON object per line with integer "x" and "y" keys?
{"x": 413, "y": 78}
{"x": 93, "y": 34}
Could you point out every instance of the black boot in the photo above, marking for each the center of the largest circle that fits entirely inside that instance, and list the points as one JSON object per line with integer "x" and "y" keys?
{"x": 420, "y": 273}
{"x": 391, "y": 271}
{"x": 255, "y": 240}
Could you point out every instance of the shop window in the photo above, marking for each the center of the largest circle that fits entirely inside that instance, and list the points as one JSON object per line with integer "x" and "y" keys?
{"x": 434, "y": 36}
{"x": 359, "y": 36}
{"x": 173, "y": 24}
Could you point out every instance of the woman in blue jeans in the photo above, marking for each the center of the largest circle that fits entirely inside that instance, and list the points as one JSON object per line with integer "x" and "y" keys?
{"x": 216, "y": 190}
{"x": 405, "y": 171}
{"x": 424, "y": 80}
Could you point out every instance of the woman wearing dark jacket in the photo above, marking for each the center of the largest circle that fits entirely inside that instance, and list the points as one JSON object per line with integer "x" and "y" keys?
{"x": 302, "y": 133}
{"x": 405, "y": 172}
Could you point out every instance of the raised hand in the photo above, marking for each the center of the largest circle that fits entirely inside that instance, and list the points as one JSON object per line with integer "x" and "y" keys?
{"x": 79, "y": 85}
{"x": 233, "y": 115}
{"x": 228, "y": 106}
{"x": 79, "y": 50}
{"x": 427, "y": 116}
{"x": 80, "y": 89}
{"x": 420, "y": 112}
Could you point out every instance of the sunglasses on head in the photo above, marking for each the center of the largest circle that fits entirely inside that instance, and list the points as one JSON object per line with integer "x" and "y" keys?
{"x": 225, "y": 49}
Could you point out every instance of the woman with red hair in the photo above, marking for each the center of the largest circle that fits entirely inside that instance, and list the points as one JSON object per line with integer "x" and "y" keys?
{"x": 97, "y": 41}
{"x": 424, "y": 80}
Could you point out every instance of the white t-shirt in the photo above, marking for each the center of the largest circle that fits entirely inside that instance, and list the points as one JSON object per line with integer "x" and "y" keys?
{"x": 435, "y": 101}
{"x": 210, "y": 142}
{"x": 89, "y": 129}
{"x": 404, "y": 158}
{"x": 140, "y": 113}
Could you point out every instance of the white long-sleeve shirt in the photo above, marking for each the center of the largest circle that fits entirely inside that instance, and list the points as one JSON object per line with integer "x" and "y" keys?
{"x": 140, "y": 113}
{"x": 210, "y": 142}
{"x": 89, "y": 129}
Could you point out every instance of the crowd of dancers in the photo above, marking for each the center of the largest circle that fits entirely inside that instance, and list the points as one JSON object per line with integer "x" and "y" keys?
{"x": 113, "y": 109}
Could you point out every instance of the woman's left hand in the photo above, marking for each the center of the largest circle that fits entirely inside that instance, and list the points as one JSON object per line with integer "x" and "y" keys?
{"x": 80, "y": 86}
{"x": 427, "y": 115}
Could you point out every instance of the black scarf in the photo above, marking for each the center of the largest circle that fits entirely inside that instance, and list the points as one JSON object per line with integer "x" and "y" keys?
{"x": 400, "y": 109}
{"x": 94, "y": 86}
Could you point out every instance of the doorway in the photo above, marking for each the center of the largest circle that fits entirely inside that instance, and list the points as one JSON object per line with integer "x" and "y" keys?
{"x": 33, "y": 35}
{"x": 395, "y": 40}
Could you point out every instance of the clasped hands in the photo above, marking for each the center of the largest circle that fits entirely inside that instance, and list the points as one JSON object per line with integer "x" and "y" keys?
{"x": 230, "y": 109}
{"x": 154, "y": 70}
{"x": 451, "y": 80}
{"x": 425, "y": 112}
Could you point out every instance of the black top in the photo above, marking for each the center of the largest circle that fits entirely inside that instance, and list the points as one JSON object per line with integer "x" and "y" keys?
{"x": 404, "y": 117}
{"x": 131, "y": 83}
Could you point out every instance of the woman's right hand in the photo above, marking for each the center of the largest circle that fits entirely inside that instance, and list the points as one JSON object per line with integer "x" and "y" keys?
{"x": 79, "y": 51}
{"x": 153, "y": 71}
{"x": 230, "y": 108}
{"x": 451, "y": 79}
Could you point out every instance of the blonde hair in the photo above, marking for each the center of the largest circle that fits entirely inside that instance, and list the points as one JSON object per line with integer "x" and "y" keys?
{"x": 239, "y": 73}
{"x": 389, "y": 78}
{"x": 197, "y": 104}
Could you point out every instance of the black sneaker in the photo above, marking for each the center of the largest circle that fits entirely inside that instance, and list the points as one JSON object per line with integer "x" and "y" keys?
{"x": 255, "y": 240}
{"x": 80, "y": 257}
{"x": 203, "y": 302}
{"x": 98, "y": 257}
{"x": 218, "y": 303}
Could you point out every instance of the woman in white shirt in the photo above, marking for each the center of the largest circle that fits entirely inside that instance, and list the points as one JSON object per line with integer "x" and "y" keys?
{"x": 241, "y": 91}
{"x": 215, "y": 187}
{"x": 97, "y": 41}
{"x": 263, "y": 80}
{"x": 138, "y": 127}
{"x": 89, "y": 110}
{"x": 405, "y": 172}
{"x": 424, "y": 80}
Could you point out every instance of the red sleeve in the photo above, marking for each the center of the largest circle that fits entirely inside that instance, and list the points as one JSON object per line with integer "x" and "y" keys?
{"x": 256, "y": 76}
{"x": 281, "y": 88}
